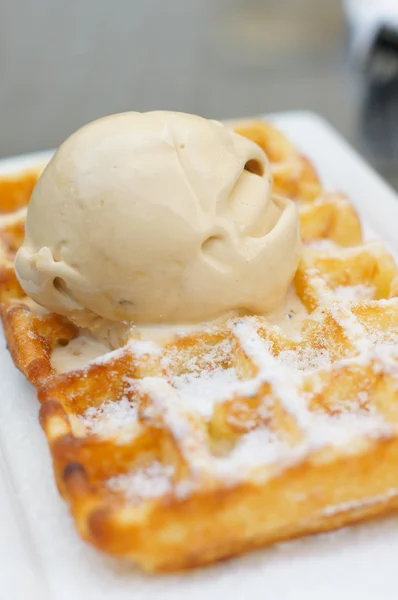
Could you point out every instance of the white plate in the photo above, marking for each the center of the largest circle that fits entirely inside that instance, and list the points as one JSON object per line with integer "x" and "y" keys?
{"x": 41, "y": 555}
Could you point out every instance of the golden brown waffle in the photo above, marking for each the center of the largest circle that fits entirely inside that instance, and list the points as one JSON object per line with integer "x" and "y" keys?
{"x": 294, "y": 175}
{"x": 235, "y": 436}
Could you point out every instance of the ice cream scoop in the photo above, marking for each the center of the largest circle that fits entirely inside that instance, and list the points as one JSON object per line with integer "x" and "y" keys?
{"x": 157, "y": 218}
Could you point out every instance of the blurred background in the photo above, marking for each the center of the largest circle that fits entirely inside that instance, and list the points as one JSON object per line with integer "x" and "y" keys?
{"x": 63, "y": 64}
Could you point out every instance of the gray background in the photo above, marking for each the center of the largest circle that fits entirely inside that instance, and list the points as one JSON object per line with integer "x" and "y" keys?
{"x": 65, "y": 63}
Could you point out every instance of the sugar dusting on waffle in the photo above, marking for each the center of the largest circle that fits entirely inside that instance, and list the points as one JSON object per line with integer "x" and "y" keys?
{"x": 197, "y": 392}
{"x": 335, "y": 509}
{"x": 109, "y": 418}
{"x": 201, "y": 390}
{"x": 354, "y": 292}
{"x": 151, "y": 481}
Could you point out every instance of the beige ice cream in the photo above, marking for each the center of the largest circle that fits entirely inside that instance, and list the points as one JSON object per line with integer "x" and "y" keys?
{"x": 157, "y": 218}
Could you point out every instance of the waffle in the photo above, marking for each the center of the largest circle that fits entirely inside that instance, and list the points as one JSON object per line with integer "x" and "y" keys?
{"x": 236, "y": 435}
{"x": 294, "y": 175}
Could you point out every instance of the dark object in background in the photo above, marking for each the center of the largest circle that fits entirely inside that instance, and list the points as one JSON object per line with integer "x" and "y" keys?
{"x": 380, "y": 103}
{"x": 382, "y": 61}
{"x": 379, "y": 126}
{"x": 374, "y": 37}
{"x": 374, "y": 41}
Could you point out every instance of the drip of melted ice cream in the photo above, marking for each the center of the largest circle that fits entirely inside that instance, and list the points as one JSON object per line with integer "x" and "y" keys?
{"x": 289, "y": 317}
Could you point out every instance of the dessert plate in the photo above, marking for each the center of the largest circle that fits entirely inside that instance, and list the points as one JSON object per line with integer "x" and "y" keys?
{"x": 40, "y": 551}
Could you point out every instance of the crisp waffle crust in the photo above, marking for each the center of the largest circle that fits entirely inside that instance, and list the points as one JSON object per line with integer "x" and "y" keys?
{"x": 178, "y": 454}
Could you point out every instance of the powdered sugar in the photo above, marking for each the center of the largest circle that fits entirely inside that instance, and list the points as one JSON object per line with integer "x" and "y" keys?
{"x": 341, "y": 428}
{"x": 138, "y": 348}
{"x": 324, "y": 245}
{"x": 201, "y": 390}
{"x": 146, "y": 482}
{"x": 354, "y": 292}
{"x": 283, "y": 379}
{"x": 336, "y": 509}
{"x": 305, "y": 359}
{"x": 112, "y": 355}
{"x": 109, "y": 418}
{"x": 257, "y": 448}
{"x": 142, "y": 348}
{"x": 352, "y": 328}
{"x": 263, "y": 447}
{"x": 179, "y": 420}
{"x": 203, "y": 358}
